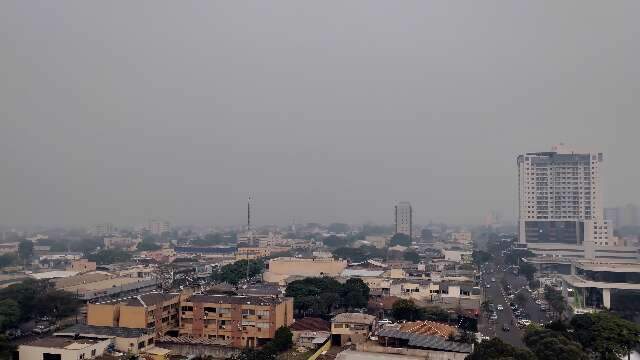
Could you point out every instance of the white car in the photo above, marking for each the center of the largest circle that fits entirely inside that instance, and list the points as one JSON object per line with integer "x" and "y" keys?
{"x": 500, "y": 307}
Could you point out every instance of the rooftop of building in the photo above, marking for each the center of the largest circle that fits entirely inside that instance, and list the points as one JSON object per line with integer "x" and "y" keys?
{"x": 102, "y": 331}
{"x": 354, "y": 318}
{"x": 104, "y": 284}
{"x": 82, "y": 279}
{"x": 53, "y": 274}
{"x": 361, "y": 273}
{"x": 231, "y": 299}
{"x": 147, "y": 299}
{"x": 295, "y": 259}
{"x": 310, "y": 324}
{"x": 61, "y": 342}
{"x": 427, "y": 328}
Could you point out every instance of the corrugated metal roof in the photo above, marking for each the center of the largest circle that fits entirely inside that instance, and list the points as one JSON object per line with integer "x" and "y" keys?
{"x": 427, "y": 341}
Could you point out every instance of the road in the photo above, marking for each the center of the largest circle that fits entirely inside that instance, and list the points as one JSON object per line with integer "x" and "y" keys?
{"x": 494, "y": 294}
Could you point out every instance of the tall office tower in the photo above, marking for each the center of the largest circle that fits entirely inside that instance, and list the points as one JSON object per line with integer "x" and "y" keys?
{"x": 157, "y": 227}
{"x": 104, "y": 229}
{"x": 404, "y": 218}
{"x": 560, "y": 200}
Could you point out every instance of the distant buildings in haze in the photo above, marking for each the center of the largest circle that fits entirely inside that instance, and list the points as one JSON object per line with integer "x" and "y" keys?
{"x": 404, "y": 218}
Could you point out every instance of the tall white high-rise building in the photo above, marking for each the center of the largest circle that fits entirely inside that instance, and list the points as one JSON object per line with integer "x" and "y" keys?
{"x": 404, "y": 218}
{"x": 157, "y": 227}
{"x": 560, "y": 204}
{"x": 104, "y": 229}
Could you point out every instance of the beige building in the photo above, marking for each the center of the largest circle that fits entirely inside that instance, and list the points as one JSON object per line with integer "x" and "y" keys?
{"x": 8, "y": 248}
{"x": 82, "y": 265}
{"x": 152, "y": 310}
{"x": 352, "y": 327}
{"x": 121, "y": 243}
{"x": 280, "y": 269}
{"x": 252, "y": 253}
{"x": 378, "y": 241}
{"x": 125, "y": 340}
{"x": 243, "y": 321}
{"x": 63, "y": 348}
{"x": 463, "y": 237}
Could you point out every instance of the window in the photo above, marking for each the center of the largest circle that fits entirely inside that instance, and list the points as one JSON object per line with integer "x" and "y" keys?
{"x": 187, "y": 308}
{"x": 93, "y": 352}
{"x": 141, "y": 345}
{"x": 150, "y": 341}
{"x": 81, "y": 356}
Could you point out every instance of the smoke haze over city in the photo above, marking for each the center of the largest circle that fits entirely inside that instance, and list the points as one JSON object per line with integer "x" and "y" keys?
{"x": 330, "y": 111}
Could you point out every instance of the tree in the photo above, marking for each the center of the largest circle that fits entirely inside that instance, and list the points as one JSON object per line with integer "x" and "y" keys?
{"x": 338, "y": 228}
{"x": 481, "y": 257}
{"x": 405, "y": 309}
{"x": 497, "y": 349}
{"x": 412, "y": 256}
{"x": 553, "y": 345}
{"x": 556, "y": 300}
{"x": 234, "y": 273}
{"x": 606, "y": 334}
{"x": 351, "y": 254}
{"x": 148, "y": 245}
{"x": 527, "y": 270}
{"x": 333, "y": 241}
{"x": 521, "y": 298}
{"x": 6, "y": 348}
{"x": 9, "y": 259}
{"x": 9, "y": 314}
{"x": 282, "y": 340}
{"x": 400, "y": 239}
{"x": 355, "y": 293}
{"x": 25, "y": 250}
{"x": 109, "y": 256}
{"x": 427, "y": 235}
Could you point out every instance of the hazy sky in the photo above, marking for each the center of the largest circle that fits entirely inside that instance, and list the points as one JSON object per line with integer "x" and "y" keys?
{"x": 326, "y": 111}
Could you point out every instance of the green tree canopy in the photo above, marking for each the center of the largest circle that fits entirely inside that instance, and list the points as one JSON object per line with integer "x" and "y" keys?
{"x": 9, "y": 314}
{"x": 496, "y": 349}
{"x": 320, "y": 296}
{"x": 339, "y": 228}
{"x": 481, "y": 257}
{"x": 148, "y": 245}
{"x": 333, "y": 241}
{"x": 25, "y": 250}
{"x": 109, "y": 256}
{"x": 527, "y": 270}
{"x": 9, "y": 259}
{"x": 553, "y": 345}
{"x": 234, "y": 273}
{"x": 400, "y": 239}
{"x": 412, "y": 256}
{"x": 606, "y": 334}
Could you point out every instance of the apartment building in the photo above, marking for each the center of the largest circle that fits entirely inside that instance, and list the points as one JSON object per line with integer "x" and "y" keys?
{"x": 157, "y": 311}
{"x": 244, "y": 321}
{"x": 252, "y": 253}
{"x": 561, "y": 207}
{"x": 280, "y": 269}
{"x": 404, "y": 218}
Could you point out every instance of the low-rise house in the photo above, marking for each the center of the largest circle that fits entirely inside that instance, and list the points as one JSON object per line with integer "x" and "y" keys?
{"x": 82, "y": 265}
{"x": 352, "y": 327}
{"x": 310, "y": 332}
{"x": 125, "y": 340}
{"x": 64, "y": 348}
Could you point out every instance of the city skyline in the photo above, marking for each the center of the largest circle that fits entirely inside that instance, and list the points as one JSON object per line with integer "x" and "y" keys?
{"x": 333, "y": 122}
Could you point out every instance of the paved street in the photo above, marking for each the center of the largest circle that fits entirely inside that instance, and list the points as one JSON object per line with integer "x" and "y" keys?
{"x": 494, "y": 295}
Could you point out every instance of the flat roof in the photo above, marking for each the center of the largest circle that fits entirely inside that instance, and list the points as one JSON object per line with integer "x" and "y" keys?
{"x": 102, "y": 331}
{"x": 354, "y": 318}
{"x": 580, "y": 282}
{"x": 228, "y": 299}
{"x": 104, "y": 284}
{"x": 53, "y": 274}
{"x": 61, "y": 342}
{"x": 617, "y": 267}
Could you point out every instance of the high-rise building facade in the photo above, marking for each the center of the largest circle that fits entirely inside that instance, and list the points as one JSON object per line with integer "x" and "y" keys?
{"x": 560, "y": 204}
{"x": 157, "y": 227}
{"x": 104, "y": 229}
{"x": 404, "y": 218}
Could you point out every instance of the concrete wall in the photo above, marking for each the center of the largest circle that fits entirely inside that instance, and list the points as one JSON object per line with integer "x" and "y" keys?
{"x": 427, "y": 354}
{"x": 102, "y": 314}
{"x": 133, "y": 316}
{"x": 306, "y": 267}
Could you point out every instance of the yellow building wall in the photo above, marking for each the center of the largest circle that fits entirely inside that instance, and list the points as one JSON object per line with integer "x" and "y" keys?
{"x": 133, "y": 316}
{"x": 102, "y": 314}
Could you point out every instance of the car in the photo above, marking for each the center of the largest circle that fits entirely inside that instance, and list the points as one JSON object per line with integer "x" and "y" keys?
{"x": 500, "y": 307}
{"x": 505, "y": 327}
{"x": 488, "y": 286}
{"x": 385, "y": 322}
{"x": 493, "y": 279}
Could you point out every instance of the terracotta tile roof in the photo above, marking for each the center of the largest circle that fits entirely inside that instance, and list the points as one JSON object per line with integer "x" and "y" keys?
{"x": 310, "y": 323}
